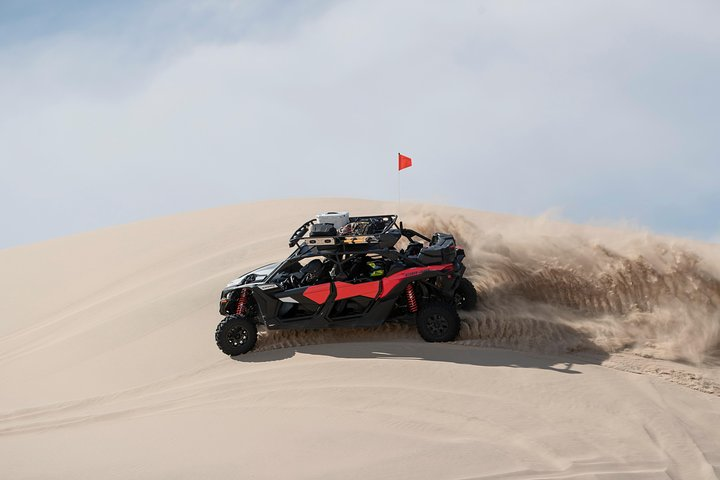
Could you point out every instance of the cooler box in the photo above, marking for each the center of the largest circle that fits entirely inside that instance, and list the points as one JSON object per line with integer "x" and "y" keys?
{"x": 337, "y": 219}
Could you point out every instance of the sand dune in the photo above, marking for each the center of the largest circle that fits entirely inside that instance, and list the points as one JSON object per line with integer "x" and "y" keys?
{"x": 109, "y": 368}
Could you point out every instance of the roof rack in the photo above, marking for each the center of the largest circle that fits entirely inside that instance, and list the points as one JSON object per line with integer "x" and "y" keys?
{"x": 388, "y": 221}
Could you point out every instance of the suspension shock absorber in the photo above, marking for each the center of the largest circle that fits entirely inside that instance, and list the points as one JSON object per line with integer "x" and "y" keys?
{"x": 411, "y": 299}
{"x": 242, "y": 302}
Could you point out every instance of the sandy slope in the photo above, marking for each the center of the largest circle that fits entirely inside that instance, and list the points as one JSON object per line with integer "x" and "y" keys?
{"x": 108, "y": 366}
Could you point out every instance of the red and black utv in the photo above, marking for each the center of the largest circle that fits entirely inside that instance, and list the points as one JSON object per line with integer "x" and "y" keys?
{"x": 346, "y": 272}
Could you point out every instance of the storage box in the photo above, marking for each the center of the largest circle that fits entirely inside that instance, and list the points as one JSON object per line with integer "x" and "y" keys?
{"x": 337, "y": 219}
{"x": 322, "y": 230}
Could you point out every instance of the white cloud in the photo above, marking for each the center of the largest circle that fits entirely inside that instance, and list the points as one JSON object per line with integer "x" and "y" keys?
{"x": 505, "y": 105}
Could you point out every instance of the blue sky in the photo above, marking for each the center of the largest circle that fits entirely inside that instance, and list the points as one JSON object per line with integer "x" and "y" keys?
{"x": 605, "y": 111}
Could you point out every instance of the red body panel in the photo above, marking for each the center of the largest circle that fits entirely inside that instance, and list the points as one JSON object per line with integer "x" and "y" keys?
{"x": 318, "y": 293}
{"x": 366, "y": 289}
{"x": 388, "y": 283}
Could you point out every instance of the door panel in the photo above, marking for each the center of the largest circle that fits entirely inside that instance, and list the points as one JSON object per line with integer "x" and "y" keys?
{"x": 302, "y": 302}
{"x": 354, "y": 299}
{"x": 349, "y": 290}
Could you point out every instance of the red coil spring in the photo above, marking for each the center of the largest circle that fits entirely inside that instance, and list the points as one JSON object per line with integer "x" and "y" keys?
{"x": 412, "y": 301}
{"x": 242, "y": 302}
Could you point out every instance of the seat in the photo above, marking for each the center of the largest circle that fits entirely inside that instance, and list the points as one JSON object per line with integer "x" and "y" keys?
{"x": 309, "y": 274}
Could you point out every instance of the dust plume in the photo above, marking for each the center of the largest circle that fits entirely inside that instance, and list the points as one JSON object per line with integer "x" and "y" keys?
{"x": 546, "y": 285}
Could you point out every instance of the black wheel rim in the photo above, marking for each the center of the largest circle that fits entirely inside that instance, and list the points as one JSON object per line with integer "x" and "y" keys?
{"x": 437, "y": 325}
{"x": 237, "y": 336}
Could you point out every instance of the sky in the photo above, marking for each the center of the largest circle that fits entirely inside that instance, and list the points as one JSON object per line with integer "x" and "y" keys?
{"x": 600, "y": 111}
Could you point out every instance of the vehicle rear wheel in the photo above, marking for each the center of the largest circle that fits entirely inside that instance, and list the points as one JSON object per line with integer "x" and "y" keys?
{"x": 438, "y": 322}
{"x": 236, "y": 335}
{"x": 466, "y": 297}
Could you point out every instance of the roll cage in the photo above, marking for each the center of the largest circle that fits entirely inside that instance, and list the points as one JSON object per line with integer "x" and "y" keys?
{"x": 337, "y": 257}
{"x": 340, "y": 253}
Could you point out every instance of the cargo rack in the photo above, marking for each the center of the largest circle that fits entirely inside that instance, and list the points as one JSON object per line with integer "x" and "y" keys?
{"x": 389, "y": 222}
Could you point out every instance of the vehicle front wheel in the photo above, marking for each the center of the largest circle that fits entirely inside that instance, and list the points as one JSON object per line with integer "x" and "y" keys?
{"x": 466, "y": 297}
{"x": 236, "y": 335}
{"x": 438, "y": 322}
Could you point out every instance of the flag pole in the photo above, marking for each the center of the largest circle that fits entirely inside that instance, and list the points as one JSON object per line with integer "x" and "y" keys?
{"x": 403, "y": 163}
{"x": 398, "y": 188}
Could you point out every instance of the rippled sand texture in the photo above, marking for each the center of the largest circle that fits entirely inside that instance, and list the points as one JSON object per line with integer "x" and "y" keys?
{"x": 592, "y": 355}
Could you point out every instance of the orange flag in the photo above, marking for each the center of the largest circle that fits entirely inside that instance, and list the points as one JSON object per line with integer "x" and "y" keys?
{"x": 403, "y": 161}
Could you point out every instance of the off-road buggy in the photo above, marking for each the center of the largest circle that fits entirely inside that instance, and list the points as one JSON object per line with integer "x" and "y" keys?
{"x": 346, "y": 272}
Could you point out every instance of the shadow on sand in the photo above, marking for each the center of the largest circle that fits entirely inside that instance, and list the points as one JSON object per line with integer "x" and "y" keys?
{"x": 433, "y": 352}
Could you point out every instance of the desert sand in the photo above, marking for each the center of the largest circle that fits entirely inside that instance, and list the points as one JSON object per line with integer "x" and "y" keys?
{"x": 594, "y": 354}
